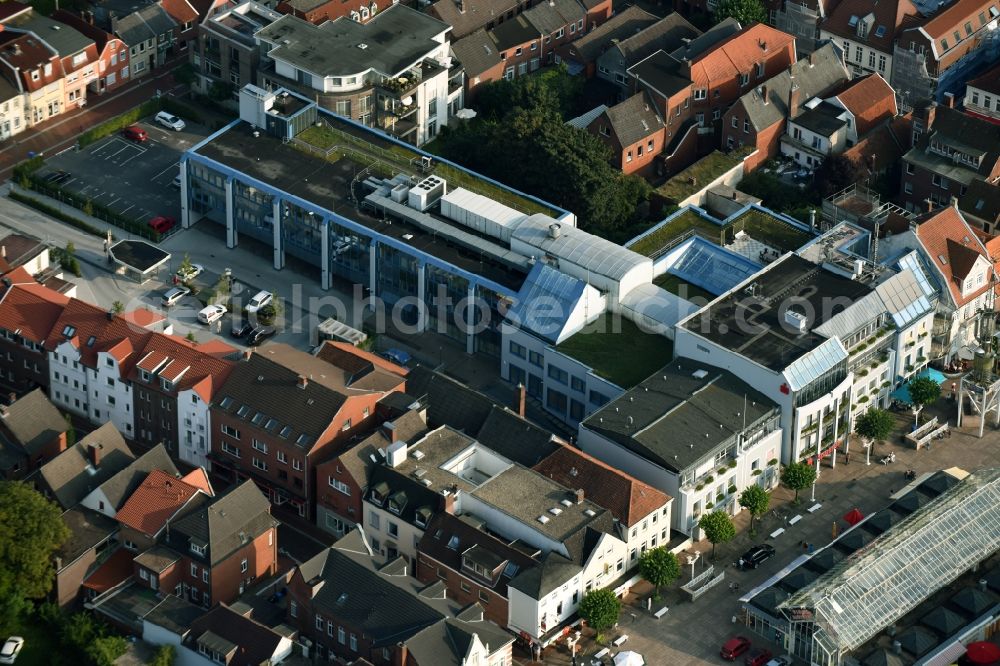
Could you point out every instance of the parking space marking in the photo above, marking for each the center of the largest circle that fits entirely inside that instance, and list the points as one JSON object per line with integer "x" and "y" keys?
{"x": 172, "y": 166}
{"x": 127, "y": 209}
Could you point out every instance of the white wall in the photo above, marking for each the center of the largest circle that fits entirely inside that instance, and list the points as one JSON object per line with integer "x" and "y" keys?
{"x": 68, "y": 380}
{"x": 110, "y": 396}
{"x": 194, "y": 423}
{"x": 407, "y": 535}
{"x": 850, "y": 57}
{"x": 98, "y": 501}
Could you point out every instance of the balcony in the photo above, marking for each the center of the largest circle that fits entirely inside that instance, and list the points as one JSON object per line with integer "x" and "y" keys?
{"x": 406, "y": 83}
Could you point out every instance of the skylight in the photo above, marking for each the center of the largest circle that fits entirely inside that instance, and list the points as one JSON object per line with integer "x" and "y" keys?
{"x": 69, "y": 331}
{"x": 453, "y": 543}
{"x": 880, "y": 31}
{"x": 853, "y": 22}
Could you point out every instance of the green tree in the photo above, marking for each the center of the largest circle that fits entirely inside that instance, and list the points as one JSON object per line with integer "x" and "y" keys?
{"x": 923, "y": 391}
{"x": 118, "y": 307}
{"x": 88, "y": 208}
{"x": 190, "y": 337}
{"x": 600, "y": 608}
{"x": 79, "y": 630}
{"x": 186, "y": 267}
{"x": 659, "y": 566}
{"x": 105, "y": 650}
{"x": 70, "y": 249}
{"x": 744, "y": 11}
{"x": 70, "y": 431}
{"x": 755, "y": 500}
{"x": 835, "y": 173}
{"x": 798, "y": 476}
{"x": 718, "y": 528}
{"x": 31, "y": 531}
{"x": 164, "y": 656}
{"x": 875, "y": 424}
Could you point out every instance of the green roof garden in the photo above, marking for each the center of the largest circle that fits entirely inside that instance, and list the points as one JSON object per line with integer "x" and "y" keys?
{"x": 669, "y": 233}
{"x": 768, "y": 229}
{"x": 699, "y": 174}
{"x": 334, "y": 137}
{"x": 615, "y": 349}
{"x": 676, "y": 285}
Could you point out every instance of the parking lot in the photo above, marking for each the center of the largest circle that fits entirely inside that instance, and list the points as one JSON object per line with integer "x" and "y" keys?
{"x": 130, "y": 178}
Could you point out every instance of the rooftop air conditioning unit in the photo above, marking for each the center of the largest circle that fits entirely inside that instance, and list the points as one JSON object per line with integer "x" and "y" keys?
{"x": 795, "y": 320}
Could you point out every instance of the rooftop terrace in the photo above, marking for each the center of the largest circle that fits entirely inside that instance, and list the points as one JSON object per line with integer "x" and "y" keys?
{"x": 674, "y": 230}
{"x": 699, "y": 174}
{"x": 751, "y": 321}
{"x": 617, "y": 350}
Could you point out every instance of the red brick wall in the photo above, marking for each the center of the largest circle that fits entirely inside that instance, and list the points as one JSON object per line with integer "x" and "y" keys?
{"x": 597, "y": 15}
{"x": 495, "y": 609}
{"x": 14, "y": 376}
{"x": 350, "y": 508}
{"x": 262, "y": 562}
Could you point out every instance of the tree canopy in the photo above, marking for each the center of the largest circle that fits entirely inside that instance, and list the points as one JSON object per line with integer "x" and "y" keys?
{"x": 522, "y": 140}
{"x": 718, "y": 528}
{"x": 31, "y": 530}
{"x": 755, "y": 500}
{"x": 798, "y": 476}
{"x": 659, "y": 566}
{"x": 744, "y": 11}
{"x": 924, "y": 391}
{"x": 600, "y": 608}
{"x": 835, "y": 173}
{"x": 875, "y": 424}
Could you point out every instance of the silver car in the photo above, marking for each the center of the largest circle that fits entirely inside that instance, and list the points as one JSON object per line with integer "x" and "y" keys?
{"x": 173, "y": 295}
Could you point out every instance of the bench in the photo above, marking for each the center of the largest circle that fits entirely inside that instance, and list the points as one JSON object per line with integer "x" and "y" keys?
{"x": 815, "y": 507}
{"x": 777, "y": 533}
{"x": 602, "y": 654}
{"x": 620, "y": 641}
{"x": 660, "y": 613}
{"x": 794, "y": 519}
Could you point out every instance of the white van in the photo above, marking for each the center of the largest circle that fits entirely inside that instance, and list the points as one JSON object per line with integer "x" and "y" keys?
{"x": 260, "y": 299}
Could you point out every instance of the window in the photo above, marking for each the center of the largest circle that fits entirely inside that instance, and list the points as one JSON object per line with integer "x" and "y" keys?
{"x": 519, "y": 350}
{"x": 534, "y": 358}
{"x": 340, "y": 635}
{"x": 297, "y": 464}
{"x": 557, "y": 373}
{"x": 243, "y": 565}
{"x": 938, "y": 181}
{"x": 231, "y": 431}
{"x": 354, "y": 643}
{"x": 871, "y": 58}
{"x": 734, "y": 122}
{"x": 336, "y": 484}
{"x": 577, "y": 384}
{"x": 559, "y": 33}
{"x": 881, "y": 63}
{"x": 746, "y": 125}
{"x": 230, "y": 449}
{"x": 293, "y": 608}
{"x": 329, "y": 628}
{"x": 194, "y": 570}
{"x": 744, "y": 79}
{"x": 346, "y": 426}
{"x": 534, "y": 46}
{"x": 517, "y": 51}
{"x": 373, "y": 520}
{"x": 572, "y": 28}
{"x": 393, "y": 528}
{"x": 260, "y": 446}
{"x": 483, "y": 597}
{"x": 204, "y": 575}
{"x": 280, "y": 456}
{"x": 319, "y": 622}
{"x": 465, "y": 587}
{"x": 260, "y": 464}
{"x": 760, "y": 70}
{"x": 908, "y": 188}
{"x": 700, "y": 94}
{"x": 858, "y": 52}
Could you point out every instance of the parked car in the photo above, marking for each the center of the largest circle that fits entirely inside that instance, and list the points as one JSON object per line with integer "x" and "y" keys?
{"x": 397, "y": 356}
{"x": 780, "y": 661}
{"x": 758, "y": 657}
{"x": 260, "y": 299}
{"x": 734, "y": 647}
{"x": 170, "y": 121}
{"x": 135, "y": 133}
{"x": 162, "y": 224}
{"x": 57, "y": 177}
{"x": 240, "y": 327}
{"x": 191, "y": 273}
{"x": 211, "y": 313}
{"x": 11, "y": 648}
{"x": 176, "y": 182}
{"x": 259, "y": 334}
{"x": 171, "y": 296}
{"x": 756, "y": 556}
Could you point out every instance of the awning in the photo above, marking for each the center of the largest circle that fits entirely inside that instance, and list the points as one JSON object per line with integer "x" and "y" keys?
{"x": 854, "y": 516}
{"x": 902, "y": 394}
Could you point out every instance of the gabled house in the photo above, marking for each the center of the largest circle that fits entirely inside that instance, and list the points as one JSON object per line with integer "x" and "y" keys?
{"x": 28, "y": 311}
{"x": 112, "y": 53}
{"x": 21, "y": 251}
{"x": 149, "y": 31}
{"x": 312, "y": 405}
{"x": 69, "y": 477}
{"x": 882, "y": 148}
{"x": 668, "y": 34}
{"x": 32, "y": 432}
{"x": 982, "y": 95}
{"x": 343, "y": 480}
{"x": 92, "y": 538}
{"x": 77, "y": 52}
{"x": 155, "y": 503}
{"x": 759, "y": 117}
{"x": 12, "y": 102}
{"x": 802, "y": 19}
{"x": 225, "y": 636}
{"x": 950, "y": 151}
{"x": 866, "y": 32}
{"x": 36, "y": 70}
{"x": 110, "y": 495}
{"x": 934, "y": 57}
{"x": 467, "y": 16}
{"x": 480, "y": 57}
{"x": 981, "y": 206}
{"x": 830, "y": 126}
{"x": 353, "y": 607}
{"x": 318, "y": 11}
{"x": 217, "y": 550}
{"x": 582, "y": 54}
{"x": 634, "y": 132}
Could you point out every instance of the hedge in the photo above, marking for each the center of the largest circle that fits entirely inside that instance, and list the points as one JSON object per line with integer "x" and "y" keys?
{"x": 135, "y": 114}
{"x": 52, "y": 211}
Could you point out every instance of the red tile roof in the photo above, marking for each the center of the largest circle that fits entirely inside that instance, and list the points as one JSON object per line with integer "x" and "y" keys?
{"x": 871, "y": 100}
{"x": 888, "y": 13}
{"x": 739, "y": 54}
{"x": 180, "y": 10}
{"x": 882, "y": 147}
{"x": 108, "y": 333}
{"x": 627, "y": 498}
{"x": 199, "y": 479}
{"x": 954, "y": 16}
{"x": 203, "y": 371}
{"x": 31, "y": 309}
{"x": 19, "y": 275}
{"x": 113, "y": 571}
{"x": 143, "y": 317}
{"x": 154, "y": 502}
{"x": 953, "y": 248}
{"x": 27, "y": 54}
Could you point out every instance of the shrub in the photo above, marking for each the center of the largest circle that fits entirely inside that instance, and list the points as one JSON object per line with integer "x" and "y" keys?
{"x": 772, "y": 462}
{"x": 756, "y": 472}
{"x": 164, "y": 656}
{"x": 731, "y": 489}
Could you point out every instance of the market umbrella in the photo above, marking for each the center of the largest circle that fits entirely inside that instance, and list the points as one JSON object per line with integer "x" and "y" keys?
{"x": 629, "y": 658}
{"x": 982, "y": 652}
{"x": 917, "y": 640}
{"x": 854, "y": 516}
{"x": 943, "y": 620}
{"x": 972, "y": 601}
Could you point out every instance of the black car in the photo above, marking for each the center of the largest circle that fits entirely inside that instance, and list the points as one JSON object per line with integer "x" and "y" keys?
{"x": 241, "y": 327}
{"x": 57, "y": 177}
{"x": 259, "y": 334}
{"x": 756, "y": 556}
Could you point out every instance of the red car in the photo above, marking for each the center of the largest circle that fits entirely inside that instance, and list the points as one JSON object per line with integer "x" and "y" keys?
{"x": 734, "y": 647}
{"x": 758, "y": 657}
{"x": 161, "y": 224}
{"x": 135, "y": 133}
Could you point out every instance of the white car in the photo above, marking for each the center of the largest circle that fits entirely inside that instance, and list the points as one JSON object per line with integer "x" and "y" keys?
{"x": 211, "y": 314}
{"x": 170, "y": 121}
{"x": 191, "y": 273}
{"x": 10, "y": 649}
{"x": 260, "y": 299}
{"x": 173, "y": 295}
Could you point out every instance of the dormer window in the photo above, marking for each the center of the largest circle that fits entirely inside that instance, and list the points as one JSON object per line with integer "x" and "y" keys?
{"x": 166, "y": 384}
{"x": 197, "y": 549}
{"x": 69, "y": 331}
{"x": 397, "y": 503}
{"x": 144, "y": 376}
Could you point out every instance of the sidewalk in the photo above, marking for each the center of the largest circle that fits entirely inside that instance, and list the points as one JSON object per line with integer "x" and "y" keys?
{"x": 60, "y": 133}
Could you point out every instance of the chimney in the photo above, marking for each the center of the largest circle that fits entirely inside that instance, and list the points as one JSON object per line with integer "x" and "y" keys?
{"x": 793, "y": 99}
{"x": 302, "y": 382}
{"x": 812, "y": 59}
{"x": 763, "y": 93}
{"x": 111, "y": 315}
{"x": 449, "y": 503}
{"x": 461, "y": 6}
{"x": 94, "y": 453}
{"x": 579, "y": 495}
{"x": 521, "y": 393}
{"x": 3, "y": 251}
{"x": 247, "y": 353}
{"x": 929, "y": 205}
{"x": 953, "y": 202}
{"x": 929, "y": 114}
{"x": 4, "y": 411}
{"x": 812, "y": 218}
{"x": 390, "y": 431}
{"x": 982, "y": 584}
{"x": 949, "y": 100}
